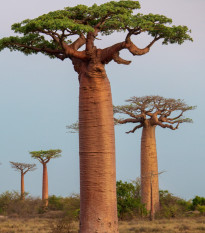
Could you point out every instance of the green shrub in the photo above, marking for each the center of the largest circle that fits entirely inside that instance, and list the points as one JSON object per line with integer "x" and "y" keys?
{"x": 11, "y": 204}
{"x": 198, "y": 201}
{"x": 129, "y": 200}
{"x": 172, "y": 206}
{"x": 55, "y": 203}
{"x": 72, "y": 206}
{"x": 201, "y": 208}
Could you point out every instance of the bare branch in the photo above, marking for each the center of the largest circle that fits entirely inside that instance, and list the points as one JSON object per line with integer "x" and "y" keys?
{"x": 137, "y": 51}
{"x": 78, "y": 43}
{"x": 23, "y": 167}
{"x": 135, "y": 128}
{"x": 119, "y": 60}
{"x": 167, "y": 126}
{"x": 124, "y": 121}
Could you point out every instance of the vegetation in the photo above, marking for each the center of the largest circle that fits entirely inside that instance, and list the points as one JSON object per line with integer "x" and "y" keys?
{"x": 52, "y": 35}
{"x": 147, "y": 113}
{"x": 44, "y": 157}
{"x": 62, "y": 213}
{"x": 129, "y": 200}
{"x": 23, "y": 168}
{"x": 46, "y": 225}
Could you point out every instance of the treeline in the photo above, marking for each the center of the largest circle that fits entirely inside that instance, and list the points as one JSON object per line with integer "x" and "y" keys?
{"x": 128, "y": 202}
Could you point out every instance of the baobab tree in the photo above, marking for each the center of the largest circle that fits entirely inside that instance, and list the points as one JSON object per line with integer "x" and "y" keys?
{"x": 148, "y": 112}
{"x": 44, "y": 156}
{"x": 60, "y": 34}
{"x": 23, "y": 168}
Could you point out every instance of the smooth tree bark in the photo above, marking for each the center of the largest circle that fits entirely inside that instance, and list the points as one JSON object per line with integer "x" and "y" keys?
{"x": 96, "y": 130}
{"x": 44, "y": 157}
{"x": 147, "y": 113}
{"x": 23, "y": 168}
{"x": 45, "y": 184}
{"x": 97, "y": 175}
{"x": 149, "y": 169}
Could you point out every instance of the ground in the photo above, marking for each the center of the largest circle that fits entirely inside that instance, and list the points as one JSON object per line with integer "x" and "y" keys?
{"x": 48, "y": 225}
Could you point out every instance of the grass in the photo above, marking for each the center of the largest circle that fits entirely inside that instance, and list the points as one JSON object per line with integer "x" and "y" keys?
{"x": 46, "y": 225}
{"x": 186, "y": 225}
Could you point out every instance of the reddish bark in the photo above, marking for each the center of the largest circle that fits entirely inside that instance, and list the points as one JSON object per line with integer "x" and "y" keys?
{"x": 149, "y": 169}
{"x": 98, "y": 210}
{"x": 23, "y": 168}
{"x": 45, "y": 185}
{"x": 22, "y": 186}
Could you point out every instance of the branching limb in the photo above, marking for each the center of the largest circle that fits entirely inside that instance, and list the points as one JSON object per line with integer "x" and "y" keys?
{"x": 78, "y": 43}
{"x": 137, "y": 51}
{"x": 110, "y": 53}
{"x": 128, "y": 120}
{"x": 47, "y": 160}
{"x": 175, "y": 118}
{"x": 119, "y": 60}
{"x": 135, "y": 128}
{"x": 107, "y": 53}
{"x": 168, "y": 126}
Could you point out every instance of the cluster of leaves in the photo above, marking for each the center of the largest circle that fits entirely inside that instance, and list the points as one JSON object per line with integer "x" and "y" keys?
{"x": 128, "y": 203}
{"x": 69, "y": 205}
{"x": 172, "y": 206}
{"x": 129, "y": 200}
{"x": 130, "y": 206}
{"x": 12, "y": 205}
{"x": 198, "y": 203}
{"x": 45, "y": 156}
{"x": 46, "y": 33}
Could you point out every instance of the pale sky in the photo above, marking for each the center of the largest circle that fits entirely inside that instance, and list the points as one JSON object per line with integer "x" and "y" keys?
{"x": 39, "y": 97}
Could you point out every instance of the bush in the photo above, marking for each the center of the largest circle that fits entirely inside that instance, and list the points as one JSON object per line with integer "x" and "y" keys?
{"x": 129, "y": 200}
{"x": 171, "y": 206}
{"x": 201, "y": 209}
{"x": 198, "y": 201}
{"x": 11, "y": 204}
{"x": 70, "y": 206}
{"x": 55, "y": 203}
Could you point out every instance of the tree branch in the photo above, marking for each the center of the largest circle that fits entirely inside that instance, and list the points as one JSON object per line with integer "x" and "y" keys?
{"x": 175, "y": 118}
{"x": 110, "y": 53}
{"x": 128, "y": 120}
{"x": 119, "y": 60}
{"x": 167, "y": 126}
{"x": 137, "y": 51}
{"x": 57, "y": 53}
{"x": 135, "y": 128}
{"x": 78, "y": 43}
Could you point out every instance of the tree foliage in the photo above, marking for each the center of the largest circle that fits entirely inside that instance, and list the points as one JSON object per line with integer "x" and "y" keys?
{"x": 45, "y": 156}
{"x": 129, "y": 200}
{"x": 165, "y": 112}
{"x": 73, "y": 128}
{"x": 54, "y": 34}
{"x": 23, "y": 167}
{"x": 172, "y": 206}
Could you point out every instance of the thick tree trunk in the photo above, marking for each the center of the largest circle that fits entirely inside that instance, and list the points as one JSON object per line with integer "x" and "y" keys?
{"x": 98, "y": 205}
{"x": 22, "y": 186}
{"x": 149, "y": 170}
{"x": 45, "y": 185}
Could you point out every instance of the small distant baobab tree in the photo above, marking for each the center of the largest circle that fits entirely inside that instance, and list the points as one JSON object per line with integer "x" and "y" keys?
{"x": 44, "y": 157}
{"x": 71, "y": 34}
{"x": 23, "y": 168}
{"x": 147, "y": 113}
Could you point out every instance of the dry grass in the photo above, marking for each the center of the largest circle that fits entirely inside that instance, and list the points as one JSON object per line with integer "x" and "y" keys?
{"x": 187, "y": 225}
{"x": 16, "y": 225}
{"x": 43, "y": 225}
